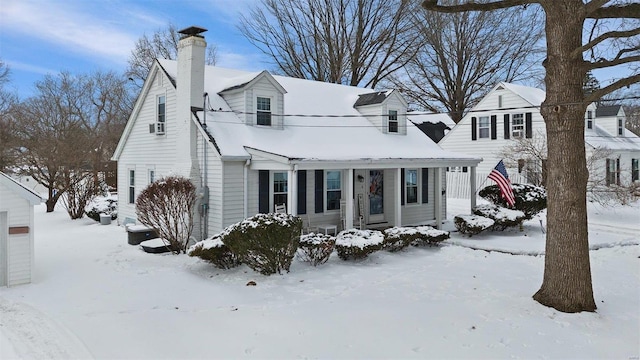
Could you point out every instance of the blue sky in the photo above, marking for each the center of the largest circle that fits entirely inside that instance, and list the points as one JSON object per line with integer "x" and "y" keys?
{"x": 39, "y": 37}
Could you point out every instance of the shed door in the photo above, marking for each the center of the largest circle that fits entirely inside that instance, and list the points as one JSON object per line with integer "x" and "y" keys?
{"x": 4, "y": 231}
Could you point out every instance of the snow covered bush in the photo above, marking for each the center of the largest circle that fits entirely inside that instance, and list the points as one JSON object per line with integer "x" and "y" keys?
{"x": 166, "y": 205}
{"x": 216, "y": 252}
{"x": 315, "y": 248}
{"x": 358, "y": 244}
{"x": 397, "y": 238}
{"x": 266, "y": 243}
{"x": 472, "y": 224}
{"x": 530, "y": 199}
{"x": 502, "y": 217}
{"x": 102, "y": 205}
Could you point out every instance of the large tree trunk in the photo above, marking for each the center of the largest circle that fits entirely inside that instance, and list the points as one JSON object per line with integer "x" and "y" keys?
{"x": 567, "y": 273}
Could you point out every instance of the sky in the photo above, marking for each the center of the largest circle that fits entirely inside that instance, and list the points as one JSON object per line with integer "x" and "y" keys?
{"x": 39, "y": 37}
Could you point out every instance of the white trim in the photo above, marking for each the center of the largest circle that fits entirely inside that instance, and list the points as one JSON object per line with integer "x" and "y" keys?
{"x": 325, "y": 191}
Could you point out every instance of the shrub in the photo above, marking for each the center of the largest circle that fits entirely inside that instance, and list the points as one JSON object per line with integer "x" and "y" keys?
{"x": 530, "y": 199}
{"x": 267, "y": 243}
{"x": 472, "y": 224}
{"x": 102, "y": 205}
{"x": 166, "y": 205}
{"x": 216, "y": 252}
{"x": 397, "y": 238}
{"x": 355, "y": 244}
{"x": 316, "y": 248}
{"x": 502, "y": 217}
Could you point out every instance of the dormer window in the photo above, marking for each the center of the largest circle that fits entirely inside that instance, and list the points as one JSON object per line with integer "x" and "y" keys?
{"x": 161, "y": 115}
{"x": 263, "y": 111}
{"x": 620, "y": 127}
{"x": 393, "y": 121}
{"x": 589, "y": 119}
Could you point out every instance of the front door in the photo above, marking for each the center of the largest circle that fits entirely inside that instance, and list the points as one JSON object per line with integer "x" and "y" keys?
{"x": 376, "y": 196}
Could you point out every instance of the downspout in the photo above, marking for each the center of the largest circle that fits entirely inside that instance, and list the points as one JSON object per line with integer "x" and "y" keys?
{"x": 205, "y": 180}
{"x": 245, "y": 176}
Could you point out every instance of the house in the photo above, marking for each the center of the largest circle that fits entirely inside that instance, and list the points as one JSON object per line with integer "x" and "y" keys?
{"x": 510, "y": 112}
{"x": 266, "y": 140}
{"x": 16, "y": 232}
{"x": 435, "y": 126}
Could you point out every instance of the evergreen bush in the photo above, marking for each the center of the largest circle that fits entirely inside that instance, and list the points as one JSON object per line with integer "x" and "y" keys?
{"x": 530, "y": 199}
{"x": 355, "y": 244}
{"x": 266, "y": 243}
{"x": 216, "y": 252}
{"x": 397, "y": 238}
{"x": 315, "y": 248}
{"x": 472, "y": 224}
{"x": 502, "y": 217}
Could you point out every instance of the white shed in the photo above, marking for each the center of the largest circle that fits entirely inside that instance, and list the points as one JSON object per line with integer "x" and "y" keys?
{"x": 16, "y": 232}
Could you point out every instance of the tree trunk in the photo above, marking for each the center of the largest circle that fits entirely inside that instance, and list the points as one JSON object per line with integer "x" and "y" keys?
{"x": 567, "y": 283}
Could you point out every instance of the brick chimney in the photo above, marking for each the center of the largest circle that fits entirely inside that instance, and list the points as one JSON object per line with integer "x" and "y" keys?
{"x": 190, "y": 90}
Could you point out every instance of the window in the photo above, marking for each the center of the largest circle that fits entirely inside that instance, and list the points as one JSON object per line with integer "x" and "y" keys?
{"x": 393, "y": 121}
{"x": 279, "y": 188}
{"x": 589, "y": 119}
{"x": 161, "y": 115}
{"x": 263, "y": 111}
{"x": 620, "y": 127}
{"x": 483, "y": 127}
{"x": 613, "y": 172}
{"x": 517, "y": 126}
{"x": 499, "y": 101}
{"x": 334, "y": 190}
{"x": 152, "y": 176}
{"x": 635, "y": 170}
{"x": 411, "y": 186}
{"x": 132, "y": 189}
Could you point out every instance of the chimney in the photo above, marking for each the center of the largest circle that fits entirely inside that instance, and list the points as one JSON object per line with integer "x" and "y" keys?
{"x": 190, "y": 90}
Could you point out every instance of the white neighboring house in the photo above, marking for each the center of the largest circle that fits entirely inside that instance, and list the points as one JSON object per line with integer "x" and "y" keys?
{"x": 16, "y": 232}
{"x": 256, "y": 147}
{"x": 511, "y": 111}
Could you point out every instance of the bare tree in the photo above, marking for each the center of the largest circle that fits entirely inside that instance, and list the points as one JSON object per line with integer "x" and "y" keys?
{"x": 567, "y": 284}
{"x": 460, "y": 54}
{"x": 162, "y": 44}
{"x": 352, "y": 42}
{"x": 8, "y": 100}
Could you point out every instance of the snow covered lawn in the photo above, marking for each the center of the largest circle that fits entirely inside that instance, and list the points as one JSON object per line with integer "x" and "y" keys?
{"x": 96, "y": 296}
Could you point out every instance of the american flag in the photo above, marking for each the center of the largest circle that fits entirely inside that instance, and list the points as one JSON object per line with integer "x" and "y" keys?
{"x": 500, "y": 176}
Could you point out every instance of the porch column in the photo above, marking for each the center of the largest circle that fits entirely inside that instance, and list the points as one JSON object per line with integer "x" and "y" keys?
{"x": 398, "y": 190}
{"x": 292, "y": 191}
{"x": 348, "y": 194}
{"x": 472, "y": 182}
{"x": 437, "y": 189}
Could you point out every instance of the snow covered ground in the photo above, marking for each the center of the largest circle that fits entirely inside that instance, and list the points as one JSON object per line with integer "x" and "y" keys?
{"x": 95, "y": 296}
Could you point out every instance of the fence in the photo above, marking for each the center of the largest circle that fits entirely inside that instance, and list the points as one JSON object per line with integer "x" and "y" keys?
{"x": 458, "y": 183}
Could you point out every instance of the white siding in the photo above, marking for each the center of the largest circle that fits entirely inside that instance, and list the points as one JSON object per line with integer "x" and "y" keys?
{"x": 394, "y": 103}
{"x": 20, "y": 255}
{"x": 233, "y": 192}
{"x": 373, "y": 113}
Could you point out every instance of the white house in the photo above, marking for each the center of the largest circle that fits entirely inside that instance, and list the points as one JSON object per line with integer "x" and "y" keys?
{"x": 16, "y": 232}
{"x": 511, "y": 111}
{"x": 265, "y": 140}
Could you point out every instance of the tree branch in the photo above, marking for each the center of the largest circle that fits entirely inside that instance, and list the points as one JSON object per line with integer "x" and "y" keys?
{"x": 629, "y": 11}
{"x": 607, "y": 63}
{"x": 472, "y": 6}
{"x": 596, "y": 95}
{"x": 603, "y": 37}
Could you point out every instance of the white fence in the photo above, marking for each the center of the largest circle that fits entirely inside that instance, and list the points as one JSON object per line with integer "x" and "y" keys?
{"x": 458, "y": 183}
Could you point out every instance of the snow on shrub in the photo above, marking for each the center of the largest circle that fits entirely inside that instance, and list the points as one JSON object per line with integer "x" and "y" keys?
{"x": 530, "y": 199}
{"x": 472, "y": 224}
{"x": 102, "y": 205}
{"x": 502, "y": 217}
{"x": 397, "y": 238}
{"x": 315, "y": 248}
{"x": 216, "y": 252}
{"x": 266, "y": 243}
{"x": 358, "y": 244}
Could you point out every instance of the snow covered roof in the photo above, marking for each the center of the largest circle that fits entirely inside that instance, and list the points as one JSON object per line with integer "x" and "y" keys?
{"x": 320, "y": 123}
{"x": 30, "y": 196}
{"x": 598, "y": 137}
{"x": 533, "y": 96}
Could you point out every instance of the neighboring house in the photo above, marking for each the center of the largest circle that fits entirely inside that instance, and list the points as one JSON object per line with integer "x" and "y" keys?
{"x": 509, "y": 112}
{"x": 267, "y": 140}
{"x": 16, "y": 232}
{"x": 435, "y": 126}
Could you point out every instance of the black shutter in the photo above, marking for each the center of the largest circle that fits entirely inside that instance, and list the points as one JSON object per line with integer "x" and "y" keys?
{"x": 263, "y": 191}
{"x": 618, "y": 171}
{"x": 494, "y": 127}
{"x": 425, "y": 185}
{"x": 319, "y": 189}
{"x": 608, "y": 173}
{"x": 402, "y": 180}
{"x": 507, "y": 128}
{"x": 302, "y": 192}
{"x": 528, "y": 125}
{"x": 474, "y": 128}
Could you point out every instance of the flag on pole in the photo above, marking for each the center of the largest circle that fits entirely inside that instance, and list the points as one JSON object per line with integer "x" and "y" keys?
{"x": 500, "y": 176}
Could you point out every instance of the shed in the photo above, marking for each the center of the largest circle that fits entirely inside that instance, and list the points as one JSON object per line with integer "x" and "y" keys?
{"x": 16, "y": 232}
